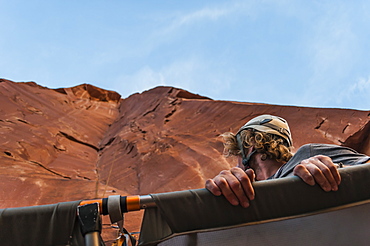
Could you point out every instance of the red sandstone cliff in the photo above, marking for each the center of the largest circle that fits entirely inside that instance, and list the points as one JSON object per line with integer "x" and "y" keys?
{"x": 85, "y": 142}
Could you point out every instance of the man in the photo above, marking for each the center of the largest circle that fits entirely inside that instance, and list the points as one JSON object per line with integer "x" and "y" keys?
{"x": 263, "y": 146}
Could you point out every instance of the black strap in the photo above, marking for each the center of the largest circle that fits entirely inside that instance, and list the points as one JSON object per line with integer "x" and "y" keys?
{"x": 247, "y": 159}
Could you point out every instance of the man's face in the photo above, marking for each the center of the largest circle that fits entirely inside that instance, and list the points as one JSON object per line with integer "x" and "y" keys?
{"x": 240, "y": 162}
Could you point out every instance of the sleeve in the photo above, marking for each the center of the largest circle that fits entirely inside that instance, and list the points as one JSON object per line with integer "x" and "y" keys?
{"x": 286, "y": 170}
{"x": 337, "y": 153}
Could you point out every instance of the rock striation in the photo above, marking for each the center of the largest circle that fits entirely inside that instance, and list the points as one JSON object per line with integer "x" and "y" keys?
{"x": 85, "y": 142}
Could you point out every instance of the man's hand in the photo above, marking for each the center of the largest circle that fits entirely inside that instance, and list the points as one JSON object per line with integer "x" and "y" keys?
{"x": 235, "y": 184}
{"x": 319, "y": 169}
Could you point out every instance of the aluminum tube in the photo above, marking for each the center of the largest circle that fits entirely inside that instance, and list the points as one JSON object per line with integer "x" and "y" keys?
{"x": 147, "y": 201}
{"x": 92, "y": 239}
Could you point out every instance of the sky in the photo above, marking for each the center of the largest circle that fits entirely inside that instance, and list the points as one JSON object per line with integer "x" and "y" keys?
{"x": 300, "y": 53}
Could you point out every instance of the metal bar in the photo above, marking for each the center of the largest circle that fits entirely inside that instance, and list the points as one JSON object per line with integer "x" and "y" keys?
{"x": 133, "y": 203}
{"x": 90, "y": 223}
{"x": 147, "y": 201}
{"x": 92, "y": 239}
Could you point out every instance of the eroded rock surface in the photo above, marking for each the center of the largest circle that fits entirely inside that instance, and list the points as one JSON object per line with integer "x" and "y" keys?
{"x": 85, "y": 142}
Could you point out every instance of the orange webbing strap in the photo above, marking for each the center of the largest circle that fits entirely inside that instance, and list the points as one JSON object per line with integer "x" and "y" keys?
{"x": 128, "y": 203}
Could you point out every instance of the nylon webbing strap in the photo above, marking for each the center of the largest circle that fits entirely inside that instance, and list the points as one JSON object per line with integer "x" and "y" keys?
{"x": 114, "y": 208}
{"x": 240, "y": 145}
{"x": 116, "y": 216}
{"x": 245, "y": 159}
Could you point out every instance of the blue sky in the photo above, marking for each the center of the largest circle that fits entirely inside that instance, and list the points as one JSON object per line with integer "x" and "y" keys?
{"x": 298, "y": 52}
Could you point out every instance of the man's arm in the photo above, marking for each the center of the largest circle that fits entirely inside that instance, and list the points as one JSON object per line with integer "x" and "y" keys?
{"x": 235, "y": 184}
{"x": 319, "y": 169}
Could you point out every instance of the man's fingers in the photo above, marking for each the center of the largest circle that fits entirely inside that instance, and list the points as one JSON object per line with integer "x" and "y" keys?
{"x": 302, "y": 172}
{"x": 332, "y": 168}
{"x": 320, "y": 178}
{"x": 237, "y": 181}
{"x": 246, "y": 184}
{"x": 251, "y": 174}
{"x": 329, "y": 171}
{"x": 234, "y": 184}
{"x": 213, "y": 188}
{"x": 321, "y": 170}
{"x": 226, "y": 183}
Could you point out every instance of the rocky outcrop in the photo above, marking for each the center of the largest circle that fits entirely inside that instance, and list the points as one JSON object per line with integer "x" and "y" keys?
{"x": 86, "y": 142}
{"x": 360, "y": 140}
{"x": 50, "y": 141}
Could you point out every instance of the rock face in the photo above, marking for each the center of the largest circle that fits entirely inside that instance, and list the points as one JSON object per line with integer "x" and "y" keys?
{"x": 85, "y": 142}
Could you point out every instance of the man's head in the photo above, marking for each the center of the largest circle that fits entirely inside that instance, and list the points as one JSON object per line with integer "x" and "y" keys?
{"x": 270, "y": 124}
{"x": 265, "y": 134}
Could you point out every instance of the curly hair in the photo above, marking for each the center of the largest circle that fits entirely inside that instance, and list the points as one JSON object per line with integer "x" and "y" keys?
{"x": 271, "y": 145}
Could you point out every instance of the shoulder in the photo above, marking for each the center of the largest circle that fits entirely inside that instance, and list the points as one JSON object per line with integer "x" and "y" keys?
{"x": 305, "y": 148}
{"x": 335, "y": 152}
{"x": 302, "y": 153}
{"x": 324, "y": 149}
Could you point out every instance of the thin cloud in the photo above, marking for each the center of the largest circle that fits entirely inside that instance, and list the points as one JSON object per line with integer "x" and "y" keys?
{"x": 356, "y": 94}
{"x": 139, "y": 81}
{"x": 192, "y": 74}
{"x": 334, "y": 43}
{"x": 215, "y": 13}
{"x": 333, "y": 53}
{"x": 181, "y": 74}
{"x": 362, "y": 87}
